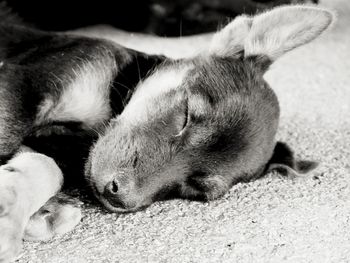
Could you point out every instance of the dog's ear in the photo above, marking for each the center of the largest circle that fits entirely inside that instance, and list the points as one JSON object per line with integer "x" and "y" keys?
{"x": 284, "y": 162}
{"x": 133, "y": 67}
{"x": 272, "y": 33}
{"x": 230, "y": 40}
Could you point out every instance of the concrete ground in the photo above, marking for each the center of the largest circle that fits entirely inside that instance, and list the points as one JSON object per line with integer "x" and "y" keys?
{"x": 273, "y": 219}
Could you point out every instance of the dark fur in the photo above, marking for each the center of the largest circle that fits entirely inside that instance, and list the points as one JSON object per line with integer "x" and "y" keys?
{"x": 199, "y": 154}
{"x": 146, "y": 127}
{"x": 31, "y": 57}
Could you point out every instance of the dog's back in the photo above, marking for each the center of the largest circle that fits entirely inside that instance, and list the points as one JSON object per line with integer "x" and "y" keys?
{"x": 50, "y": 80}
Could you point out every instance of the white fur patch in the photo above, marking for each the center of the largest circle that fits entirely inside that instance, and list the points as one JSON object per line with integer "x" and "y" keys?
{"x": 35, "y": 173}
{"x": 86, "y": 99}
{"x": 26, "y": 183}
{"x": 144, "y": 98}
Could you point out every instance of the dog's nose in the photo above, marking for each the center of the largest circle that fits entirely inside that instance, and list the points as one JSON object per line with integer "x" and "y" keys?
{"x": 112, "y": 194}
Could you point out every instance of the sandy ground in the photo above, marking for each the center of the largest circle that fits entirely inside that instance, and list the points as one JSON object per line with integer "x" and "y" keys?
{"x": 273, "y": 219}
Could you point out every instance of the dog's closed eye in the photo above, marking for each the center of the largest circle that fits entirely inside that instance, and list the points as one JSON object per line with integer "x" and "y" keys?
{"x": 182, "y": 119}
{"x": 185, "y": 120}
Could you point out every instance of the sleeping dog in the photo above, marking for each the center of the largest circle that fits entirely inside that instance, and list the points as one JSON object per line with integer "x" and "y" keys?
{"x": 191, "y": 127}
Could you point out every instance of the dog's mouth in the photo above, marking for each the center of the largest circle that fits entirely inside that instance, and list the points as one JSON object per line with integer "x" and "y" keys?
{"x": 118, "y": 207}
{"x": 111, "y": 207}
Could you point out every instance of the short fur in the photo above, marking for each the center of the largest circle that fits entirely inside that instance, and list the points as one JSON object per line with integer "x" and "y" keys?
{"x": 193, "y": 127}
{"x": 215, "y": 127}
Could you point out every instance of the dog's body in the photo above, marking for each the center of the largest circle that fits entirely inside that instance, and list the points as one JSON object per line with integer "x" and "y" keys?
{"x": 55, "y": 86}
{"x": 58, "y": 79}
{"x": 194, "y": 126}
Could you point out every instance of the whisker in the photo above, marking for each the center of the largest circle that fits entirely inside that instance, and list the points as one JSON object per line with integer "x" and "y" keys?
{"x": 138, "y": 69}
{"x": 93, "y": 131}
{"x": 119, "y": 94}
{"x": 123, "y": 85}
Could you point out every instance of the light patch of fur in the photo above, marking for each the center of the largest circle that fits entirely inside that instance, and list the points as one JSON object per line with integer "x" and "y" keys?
{"x": 144, "y": 98}
{"x": 45, "y": 108}
{"x": 35, "y": 179}
{"x": 57, "y": 216}
{"x": 29, "y": 179}
{"x": 86, "y": 99}
{"x": 171, "y": 47}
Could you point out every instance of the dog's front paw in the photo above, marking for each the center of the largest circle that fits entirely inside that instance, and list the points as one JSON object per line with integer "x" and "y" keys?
{"x": 10, "y": 228}
{"x": 58, "y": 216}
{"x": 10, "y": 242}
{"x": 10, "y": 250}
{"x": 21, "y": 194}
{"x": 11, "y": 232}
{"x": 8, "y": 198}
{"x": 201, "y": 186}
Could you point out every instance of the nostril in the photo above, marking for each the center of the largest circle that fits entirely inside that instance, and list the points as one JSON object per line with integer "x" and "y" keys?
{"x": 113, "y": 195}
{"x": 114, "y": 187}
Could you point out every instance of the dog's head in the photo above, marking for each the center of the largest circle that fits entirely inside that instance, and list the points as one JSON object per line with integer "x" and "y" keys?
{"x": 200, "y": 124}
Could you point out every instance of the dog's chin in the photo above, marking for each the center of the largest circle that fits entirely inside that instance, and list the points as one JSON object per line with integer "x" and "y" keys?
{"x": 115, "y": 209}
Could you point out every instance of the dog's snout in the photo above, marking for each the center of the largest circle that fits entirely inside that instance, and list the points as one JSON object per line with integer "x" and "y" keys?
{"x": 112, "y": 194}
{"x": 120, "y": 194}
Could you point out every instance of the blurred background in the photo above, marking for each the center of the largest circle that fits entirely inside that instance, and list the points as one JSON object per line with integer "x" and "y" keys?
{"x": 160, "y": 17}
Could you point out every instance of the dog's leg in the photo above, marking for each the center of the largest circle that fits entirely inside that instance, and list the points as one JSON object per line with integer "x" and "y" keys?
{"x": 27, "y": 181}
{"x": 204, "y": 187}
{"x": 58, "y": 216}
{"x": 11, "y": 132}
{"x": 284, "y": 162}
{"x": 17, "y": 109}
{"x": 10, "y": 136}
{"x": 172, "y": 47}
